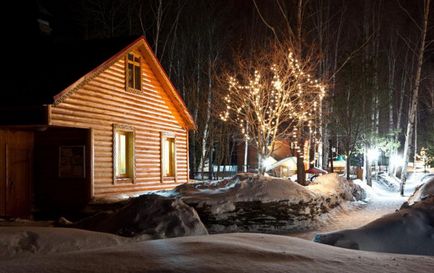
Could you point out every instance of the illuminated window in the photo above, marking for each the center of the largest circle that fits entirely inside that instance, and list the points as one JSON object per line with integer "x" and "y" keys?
{"x": 168, "y": 156}
{"x": 123, "y": 153}
{"x": 133, "y": 72}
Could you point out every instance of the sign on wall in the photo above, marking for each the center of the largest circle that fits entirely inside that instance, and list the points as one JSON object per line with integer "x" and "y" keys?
{"x": 72, "y": 161}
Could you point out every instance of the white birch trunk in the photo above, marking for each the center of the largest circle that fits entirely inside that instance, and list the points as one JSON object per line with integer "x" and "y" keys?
{"x": 415, "y": 98}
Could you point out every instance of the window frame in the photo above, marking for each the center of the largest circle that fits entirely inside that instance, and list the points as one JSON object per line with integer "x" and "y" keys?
{"x": 129, "y": 132}
{"x": 135, "y": 64}
{"x": 164, "y": 137}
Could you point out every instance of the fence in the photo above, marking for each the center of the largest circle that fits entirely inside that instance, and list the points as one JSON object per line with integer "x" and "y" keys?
{"x": 222, "y": 171}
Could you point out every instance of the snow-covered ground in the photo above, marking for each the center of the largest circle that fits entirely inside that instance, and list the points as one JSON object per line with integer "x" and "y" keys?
{"x": 381, "y": 200}
{"x": 49, "y": 249}
{"x": 209, "y": 253}
{"x": 28, "y": 241}
{"x": 408, "y": 230}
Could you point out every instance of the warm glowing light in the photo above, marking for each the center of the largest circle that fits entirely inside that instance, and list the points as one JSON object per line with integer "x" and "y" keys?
{"x": 396, "y": 160}
{"x": 373, "y": 154}
{"x": 259, "y": 103}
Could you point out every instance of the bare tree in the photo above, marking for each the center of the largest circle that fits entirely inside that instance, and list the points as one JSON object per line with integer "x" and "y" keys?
{"x": 415, "y": 97}
{"x": 347, "y": 118}
{"x": 273, "y": 96}
{"x": 283, "y": 35}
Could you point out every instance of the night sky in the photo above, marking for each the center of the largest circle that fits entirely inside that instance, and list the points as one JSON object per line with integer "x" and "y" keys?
{"x": 227, "y": 28}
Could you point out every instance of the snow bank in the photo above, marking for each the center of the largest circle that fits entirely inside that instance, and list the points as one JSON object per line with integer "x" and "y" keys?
{"x": 220, "y": 253}
{"x": 408, "y": 231}
{"x": 337, "y": 186}
{"x": 246, "y": 188}
{"x": 22, "y": 241}
{"x": 155, "y": 215}
{"x": 423, "y": 191}
{"x": 249, "y": 202}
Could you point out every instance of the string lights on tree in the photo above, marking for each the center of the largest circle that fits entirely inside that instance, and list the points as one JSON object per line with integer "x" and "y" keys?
{"x": 276, "y": 98}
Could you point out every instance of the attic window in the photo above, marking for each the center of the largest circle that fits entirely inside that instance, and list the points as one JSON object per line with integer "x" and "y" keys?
{"x": 134, "y": 75}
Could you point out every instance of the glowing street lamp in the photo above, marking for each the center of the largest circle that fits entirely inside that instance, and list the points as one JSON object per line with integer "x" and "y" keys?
{"x": 373, "y": 154}
{"x": 396, "y": 161}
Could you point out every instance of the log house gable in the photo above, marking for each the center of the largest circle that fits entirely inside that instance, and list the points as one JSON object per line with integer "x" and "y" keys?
{"x": 139, "y": 46}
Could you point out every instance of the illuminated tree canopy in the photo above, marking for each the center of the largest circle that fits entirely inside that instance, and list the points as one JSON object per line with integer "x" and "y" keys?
{"x": 274, "y": 97}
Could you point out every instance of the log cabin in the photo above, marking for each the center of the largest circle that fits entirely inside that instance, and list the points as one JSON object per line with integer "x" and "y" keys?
{"x": 87, "y": 120}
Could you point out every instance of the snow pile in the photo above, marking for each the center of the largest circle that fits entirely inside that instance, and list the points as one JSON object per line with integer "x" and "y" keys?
{"x": 246, "y": 188}
{"x": 408, "y": 231}
{"x": 218, "y": 253}
{"x": 154, "y": 215}
{"x": 21, "y": 241}
{"x": 338, "y": 187}
{"x": 423, "y": 191}
{"x": 249, "y": 202}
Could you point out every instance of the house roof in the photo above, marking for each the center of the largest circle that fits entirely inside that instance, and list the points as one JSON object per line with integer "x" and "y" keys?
{"x": 46, "y": 72}
{"x": 290, "y": 162}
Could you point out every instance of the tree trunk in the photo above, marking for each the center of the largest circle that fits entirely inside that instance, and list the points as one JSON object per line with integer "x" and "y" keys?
{"x": 400, "y": 108}
{"x": 415, "y": 140}
{"x": 391, "y": 82}
{"x": 246, "y": 150}
{"x": 260, "y": 165}
{"x": 301, "y": 174}
{"x": 210, "y": 161}
{"x": 208, "y": 114}
{"x": 415, "y": 98}
{"x": 367, "y": 167}
{"x": 330, "y": 159}
{"x": 158, "y": 21}
{"x": 246, "y": 153}
{"x": 348, "y": 167}
{"x": 326, "y": 149}
{"x": 299, "y": 25}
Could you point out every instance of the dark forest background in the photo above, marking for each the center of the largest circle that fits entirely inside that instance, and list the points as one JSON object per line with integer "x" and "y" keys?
{"x": 366, "y": 53}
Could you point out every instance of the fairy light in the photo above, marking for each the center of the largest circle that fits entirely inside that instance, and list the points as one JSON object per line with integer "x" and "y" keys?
{"x": 261, "y": 104}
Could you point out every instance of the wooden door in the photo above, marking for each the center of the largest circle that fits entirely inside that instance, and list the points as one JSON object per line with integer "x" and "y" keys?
{"x": 16, "y": 173}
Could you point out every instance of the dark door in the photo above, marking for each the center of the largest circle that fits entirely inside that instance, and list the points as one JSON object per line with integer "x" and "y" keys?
{"x": 62, "y": 170}
{"x": 18, "y": 179}
{"x": 16, "y": 173}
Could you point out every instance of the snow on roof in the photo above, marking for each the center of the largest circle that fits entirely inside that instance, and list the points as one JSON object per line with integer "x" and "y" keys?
{"x": 290, "y": 162}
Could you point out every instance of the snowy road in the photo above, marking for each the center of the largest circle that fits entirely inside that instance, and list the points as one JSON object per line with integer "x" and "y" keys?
{"x": 380, "y": 201}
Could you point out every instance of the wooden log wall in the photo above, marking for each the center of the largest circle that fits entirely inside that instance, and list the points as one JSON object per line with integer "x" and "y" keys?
{"x": 104, "y": 101}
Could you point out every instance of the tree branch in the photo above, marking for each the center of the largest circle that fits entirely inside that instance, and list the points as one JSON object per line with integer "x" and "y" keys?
{"x": 350, "y": 57}
{"x": 265, "y": 21}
